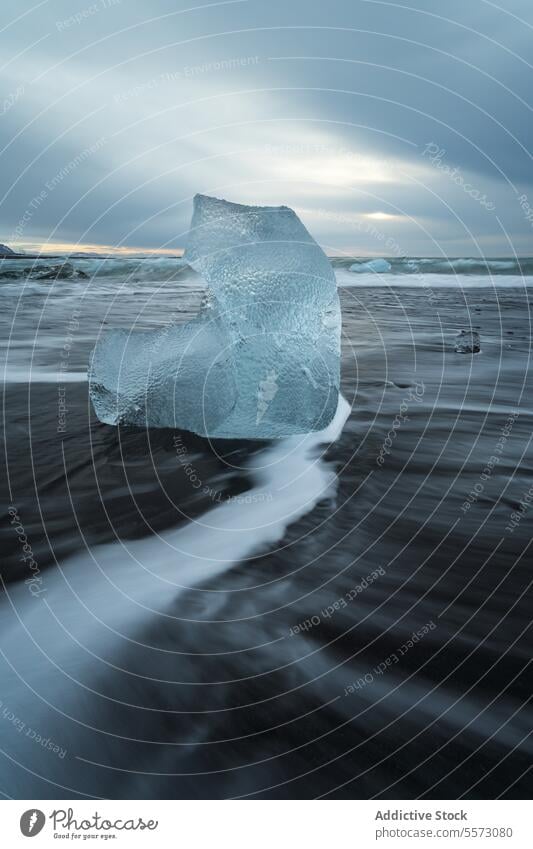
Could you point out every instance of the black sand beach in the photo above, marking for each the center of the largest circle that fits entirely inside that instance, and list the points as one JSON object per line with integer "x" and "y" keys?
{"x": 379, "y": 648}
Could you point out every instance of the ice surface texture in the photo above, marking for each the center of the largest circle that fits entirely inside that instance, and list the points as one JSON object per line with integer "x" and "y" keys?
{"x": 260, "y": 360}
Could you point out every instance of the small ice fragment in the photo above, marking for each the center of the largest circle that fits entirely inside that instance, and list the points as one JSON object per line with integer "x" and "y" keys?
{"x": 467, "y": 342}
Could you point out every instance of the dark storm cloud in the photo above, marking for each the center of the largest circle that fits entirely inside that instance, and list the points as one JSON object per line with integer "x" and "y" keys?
{"x": 114, "y": 114}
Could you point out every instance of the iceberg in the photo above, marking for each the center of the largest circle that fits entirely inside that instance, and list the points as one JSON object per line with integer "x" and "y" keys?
{"x": 262, "y": 357}
{"x": 379, "y": 266}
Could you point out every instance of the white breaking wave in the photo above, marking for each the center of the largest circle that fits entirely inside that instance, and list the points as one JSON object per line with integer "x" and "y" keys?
{"x": 24, "y": 374}
{"x": 346, "y": 279}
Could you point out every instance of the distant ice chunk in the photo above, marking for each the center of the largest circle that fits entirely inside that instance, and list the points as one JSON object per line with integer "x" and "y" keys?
{"x": 467, "y": 342}
{"x": 261, "y": 360}
{"x": 379, "y": 266}
{"x": 57, "y": 271}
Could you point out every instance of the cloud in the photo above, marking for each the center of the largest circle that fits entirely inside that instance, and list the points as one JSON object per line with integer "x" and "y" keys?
{"x": 269, "y": 103}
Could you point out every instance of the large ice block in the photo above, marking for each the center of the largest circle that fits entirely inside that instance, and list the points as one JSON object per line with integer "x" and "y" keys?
{"x": 261, "y": 360}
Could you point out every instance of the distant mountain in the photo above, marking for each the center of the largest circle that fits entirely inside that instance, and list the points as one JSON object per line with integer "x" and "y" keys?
{"x": 7, "y": 253}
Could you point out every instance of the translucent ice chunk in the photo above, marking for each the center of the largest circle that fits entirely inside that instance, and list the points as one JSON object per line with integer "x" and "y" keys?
{"x": 265, "y": 358}
{"x": 467, "y": 342}
{"x": 379, "y": 266}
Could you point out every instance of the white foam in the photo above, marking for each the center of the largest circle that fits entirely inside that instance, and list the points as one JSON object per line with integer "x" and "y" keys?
{"x": 76, "y": 620}
{"x": 346, "y": 279}
{"x": 23, "y": 374}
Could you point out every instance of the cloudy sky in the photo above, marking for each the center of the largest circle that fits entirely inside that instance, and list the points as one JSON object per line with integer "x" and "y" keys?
{"x": 372, "y": 119}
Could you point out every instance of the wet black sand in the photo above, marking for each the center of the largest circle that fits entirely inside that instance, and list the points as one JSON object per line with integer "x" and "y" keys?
{"x": 223, "y": 699}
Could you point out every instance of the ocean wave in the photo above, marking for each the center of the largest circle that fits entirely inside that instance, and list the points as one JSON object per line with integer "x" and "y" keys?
{"x": 77, "y": 269}
{"x": 73, "y": 267}
{"x": 444, "y": 265}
